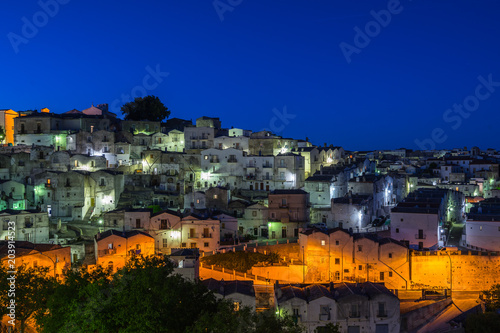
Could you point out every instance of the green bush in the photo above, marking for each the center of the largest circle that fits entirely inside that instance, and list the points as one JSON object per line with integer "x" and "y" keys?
{"x": 240, "y": 261}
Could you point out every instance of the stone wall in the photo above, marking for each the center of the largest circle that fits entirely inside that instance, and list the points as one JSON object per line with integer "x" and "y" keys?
{"x": 470, "y": 271}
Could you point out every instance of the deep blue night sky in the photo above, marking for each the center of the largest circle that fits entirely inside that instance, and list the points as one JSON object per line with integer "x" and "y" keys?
{"x": 265, "y": 55}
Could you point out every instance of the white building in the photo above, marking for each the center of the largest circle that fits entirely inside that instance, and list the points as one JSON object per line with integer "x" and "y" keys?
{"x": 30, "y": 225}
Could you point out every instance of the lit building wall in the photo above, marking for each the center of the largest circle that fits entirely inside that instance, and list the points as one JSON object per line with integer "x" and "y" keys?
{"x": 114, "y": 248}
{"x": 419, "y": 229}
{"x": 7, "y": 123}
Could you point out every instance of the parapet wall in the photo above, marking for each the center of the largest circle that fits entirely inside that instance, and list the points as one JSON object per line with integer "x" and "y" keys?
{"x": 471, "y": 271}
{"x": 416, "y": 318}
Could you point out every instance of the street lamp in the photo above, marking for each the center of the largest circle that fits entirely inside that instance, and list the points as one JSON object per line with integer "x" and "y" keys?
{"x": 303, "y": 266}
{"x": 451, "y": 274}
{"x": 54, "y": 262}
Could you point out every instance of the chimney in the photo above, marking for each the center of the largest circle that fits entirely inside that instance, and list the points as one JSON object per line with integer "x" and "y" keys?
{"x": 307, "y": 139}
{"x": 324, "y": 144}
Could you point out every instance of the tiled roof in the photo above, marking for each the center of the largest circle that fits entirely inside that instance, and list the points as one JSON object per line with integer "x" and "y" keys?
{"x": 123, "y": 234}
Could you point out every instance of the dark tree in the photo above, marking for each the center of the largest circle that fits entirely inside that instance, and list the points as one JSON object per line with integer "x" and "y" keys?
{"x": 2, "y": 134}
{"x": 145, "y": 108}
{"x": 492, "y": 298}
{"x": 32, "y": 289}
{"x": 145, "y": 296}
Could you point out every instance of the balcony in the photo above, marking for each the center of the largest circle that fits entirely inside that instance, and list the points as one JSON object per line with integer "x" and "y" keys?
{"x": 106, "y": 252}
{"x": 251, "y": 177}
{"x": 422, "y": 236}
{"x": 283, "y": 206}
{"x": 267, "y": 166}
{"x": 232, "y": 160}
{"x": 324, "y": 317}
{"x": 206, "y": 235}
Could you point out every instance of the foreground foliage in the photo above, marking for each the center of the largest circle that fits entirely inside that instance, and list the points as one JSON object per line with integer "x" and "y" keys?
{"x": 33, "y": 287}
{"x": 240, "y": 261}
{"x": 144, "y": 296}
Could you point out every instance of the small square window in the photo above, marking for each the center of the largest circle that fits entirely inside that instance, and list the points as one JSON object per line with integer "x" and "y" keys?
{"x": 338, "y": 242}
{"x": 215, "y": 196}
{"x": 397, "y": 230}
{"x": 360, "y": 248}
{"x": 401, "y": 220}
{"x": 337, "y": 261}
{"x": 205, "y": 244}
{"x": 390, "y": 274}
{"x": 390, "y": 255}
{"x": 323, "y": 242}
{"x": 360, "y": 267}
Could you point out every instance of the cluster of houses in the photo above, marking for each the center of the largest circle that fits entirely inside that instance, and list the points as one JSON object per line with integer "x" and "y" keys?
{"x": 111, "y": 188}
{"x": 197, "y": 185}
{"x": 363, "y": 307}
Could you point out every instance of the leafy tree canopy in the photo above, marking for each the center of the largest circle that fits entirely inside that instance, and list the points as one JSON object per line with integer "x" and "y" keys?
{"x": 145, "y": 296}
{"x": 32, "y": 289}
{"x": 240, "y": 261}
{"x": 492, "y": 298}
{"x": 145, "y": 108}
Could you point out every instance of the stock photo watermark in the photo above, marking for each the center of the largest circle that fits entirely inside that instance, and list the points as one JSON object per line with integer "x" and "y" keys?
{"x": 280, "y": 120}
{"x": 11, "y": 273}
{"x": 372, "y": 29}
{"x": 223, "y": 6}
{"x": 30, "y": 27}
{"x": 150, "y": 81}
{"x": 459, "y": 112}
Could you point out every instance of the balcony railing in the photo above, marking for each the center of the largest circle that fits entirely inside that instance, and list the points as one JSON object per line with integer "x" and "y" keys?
{"x": 106, "y": 252}
{"x": 267, "y": 166}
{"x": 417, "y": 236}
{"x": 200, "y": 235}
{"x": 324, "y": 317}
{"x": 232, "y": 160}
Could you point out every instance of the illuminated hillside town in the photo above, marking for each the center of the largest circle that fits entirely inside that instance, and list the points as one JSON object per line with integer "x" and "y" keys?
{"x": 369, "y": 241}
